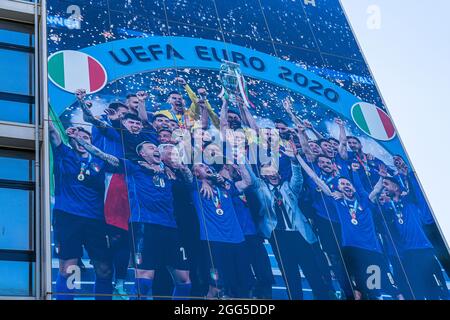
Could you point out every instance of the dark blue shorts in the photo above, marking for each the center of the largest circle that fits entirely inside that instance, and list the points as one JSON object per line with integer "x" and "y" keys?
{"x": 157, "y": 246}
{"x": 72, "y": 233}
{"x": 229, "y": 267}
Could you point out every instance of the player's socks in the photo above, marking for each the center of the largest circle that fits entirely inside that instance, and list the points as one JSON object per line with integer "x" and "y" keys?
{"x": 119, "y": 283}
{"x": 144, "y": 287}
{"x": 63, "y": 292}
{"x": 181, "y": 291}
{"x": 103, "y": 287}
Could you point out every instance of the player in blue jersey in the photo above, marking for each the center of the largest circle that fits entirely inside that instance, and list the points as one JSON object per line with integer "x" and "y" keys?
{"x": 155, "y": 235}
{"x": 221, "y": 235}
{"x": 359, "y": 242}
{"x": 107, "y": 137}
{"x": 411, "y": 186}
{"x": 78, "y": 219}
{"x": 416, "y": 251}
{"x": 235, "y": 176}
{"x": 339, "y": 156}
{"x": 367, "y": 164}
{"x": 326, "y": 219}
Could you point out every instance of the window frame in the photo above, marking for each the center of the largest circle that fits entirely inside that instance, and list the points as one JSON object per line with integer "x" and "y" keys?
{"x": 30, "y": 49}
{"x": 12, "y": 255}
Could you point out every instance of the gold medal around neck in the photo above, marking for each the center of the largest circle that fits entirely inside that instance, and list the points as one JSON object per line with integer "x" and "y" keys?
{"x": 80, "y": 177}
{"x": 354, "y": 221}
{"x": 219, "y": 212}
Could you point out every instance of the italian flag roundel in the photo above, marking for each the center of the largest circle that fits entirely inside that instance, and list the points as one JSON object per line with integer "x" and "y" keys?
{"x": 72, "y": 70}
{"x": 373, "y": 121}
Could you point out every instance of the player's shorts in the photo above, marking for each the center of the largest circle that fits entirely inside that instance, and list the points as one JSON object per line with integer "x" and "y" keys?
{"x": 368, "y": 272}
{"x": 72, "y": 233}
{"x": 228, "y": 267}
{"x": 157, "y": 246}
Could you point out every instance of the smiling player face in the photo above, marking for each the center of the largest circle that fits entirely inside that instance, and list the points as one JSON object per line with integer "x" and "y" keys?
{"x": 325, "y": 164}
{"x": 203, "y": 171}
{"x": 346, "y": 187}
{"x": 150, "y": 153}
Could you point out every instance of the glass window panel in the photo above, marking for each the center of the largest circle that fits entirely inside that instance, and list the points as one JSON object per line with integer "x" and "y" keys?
{"x": 16, "y": 166}
{"x": 16, "y": 72}
{"x": 15, "y": 224}
{"x": 16, "y": 278}
{"x": 16, "y": 33}
{"x": 16, "y": 111}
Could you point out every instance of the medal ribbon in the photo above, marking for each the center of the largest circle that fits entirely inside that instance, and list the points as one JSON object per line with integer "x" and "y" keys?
{"x": 181, "y": 122}
{"x": 85, "y": 166}
{"x": 363, "y": 162}
{"x": 352, "y": 208}
{"x": 398, "y": 212}
{"x": 217, "y": 202}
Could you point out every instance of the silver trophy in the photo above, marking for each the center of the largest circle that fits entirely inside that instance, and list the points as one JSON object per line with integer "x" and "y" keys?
{"x": 229, "y": 72}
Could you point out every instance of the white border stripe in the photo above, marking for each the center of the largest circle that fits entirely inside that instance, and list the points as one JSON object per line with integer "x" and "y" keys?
{"x": 373, "y": 121}
{"x": 76, "y": 71}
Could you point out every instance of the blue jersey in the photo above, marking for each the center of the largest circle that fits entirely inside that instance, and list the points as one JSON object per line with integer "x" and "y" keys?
{"x": 79, "y": 183}
{"x": 411, "y": 185}
{"x": 217, "y": 217}
{"x": 357, "y": 225}
{"x": 403, "y": 218}
{"x": 341, "y": 165}
{"x": 242, "y": 209}
{"x": 108, "y": 139}
{"x": 151, "y": 197}
{"x": 368, "y": 170}
{"x": 131, "y": 141}
{"x": 319, "y": 199}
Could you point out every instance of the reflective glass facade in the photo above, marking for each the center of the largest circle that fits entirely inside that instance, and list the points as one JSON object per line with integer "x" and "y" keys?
{"x": 204, "y": 149}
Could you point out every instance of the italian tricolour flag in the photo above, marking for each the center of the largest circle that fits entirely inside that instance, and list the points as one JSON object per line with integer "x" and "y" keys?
{"x": 72, "y": 70}
{"x": 373, "y": 121}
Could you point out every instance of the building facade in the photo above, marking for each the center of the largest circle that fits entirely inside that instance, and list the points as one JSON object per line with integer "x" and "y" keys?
{"x": 319, "y": 200}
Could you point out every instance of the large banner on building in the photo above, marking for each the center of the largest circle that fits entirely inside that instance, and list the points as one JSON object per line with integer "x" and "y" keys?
{"x": 237, "y": 149}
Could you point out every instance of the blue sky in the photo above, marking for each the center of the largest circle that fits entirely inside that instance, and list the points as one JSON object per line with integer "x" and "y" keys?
{"x": 409, "y": 56}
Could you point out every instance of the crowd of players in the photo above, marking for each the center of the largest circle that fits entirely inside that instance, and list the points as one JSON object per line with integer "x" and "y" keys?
{"x": 125, "y": 192}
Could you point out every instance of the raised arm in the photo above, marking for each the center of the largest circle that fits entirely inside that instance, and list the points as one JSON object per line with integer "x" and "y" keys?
{"x": 309, "y": 126}
{"x": 96, "y": 152}
{"x": 246, "y": 181}
{"x": 343, "y": 152}
{"x": 224, "y": 117}
{"x": 310, "y": 172}
{"x": 55, "y": 138}
{"x": 85, "y": 107}
{"x": 373, "y": 196}
{"x": 247, "y": 116}
{"x": 142, "y": 110}
{"x": 303, "y": 139}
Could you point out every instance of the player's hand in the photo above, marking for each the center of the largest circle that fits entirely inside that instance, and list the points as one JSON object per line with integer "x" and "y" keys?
{"x": 339, "y": 122}
{"x": 72, "y": 132}
{"x": 206, "y": 190}
{"x": 80, "y": 94}
{"x": 307, "y": 124}
{"x": 287, "y": 105}
{"x": 337, "y": 195}
{"x": 301, "y": 127}
{"x": 111, "y": 113}
{"x": 180, "y": 81}
{"x": 382, "y": 170}
{"x": 142, "y": 96}
{"x": 202, "y": 92}
{"x": 220, "y": 179}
